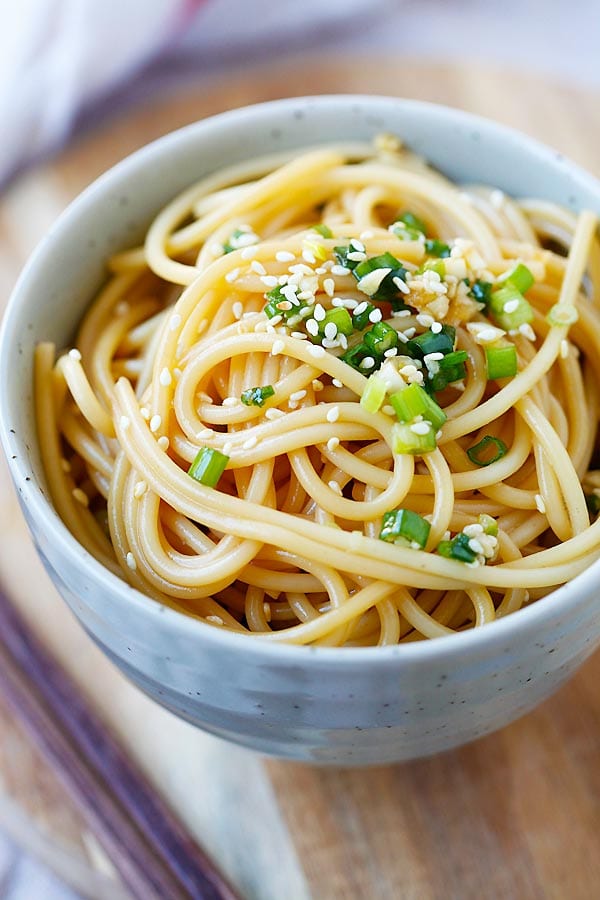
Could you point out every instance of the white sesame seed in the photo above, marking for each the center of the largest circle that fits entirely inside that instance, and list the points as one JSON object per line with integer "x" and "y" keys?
{"x": 269, "y": 281}
{"x": 144, "y": 413}
{"x": 334, "y": 486}
{"x": 306, "y": 295}
{"x": 366, "y": 235}
{"x": 217, "y": 249}
{"x": 432, "y": 357}
{"x": 297, "y": 396}
{"x": 278, "y": 347}
{"x": 388, "y": 410}
{"x": 274, "y": 413}
{"x": 215, "y": 620}
{"x": 124, "y": 420}
{"x": 357, "y": 256}
{"x": 497, "y": 199}
{"x": 421, "y": 428}
{"x": 367, "y": 362}
{"x": 319, "y": 312}
{"x": 329, "y": 286}
{"x": 331, "y": 331}
{"x": 284, "y": 256}
{"x": 316, "y": 351}
{"x": 250, "y": 442}
{"x": 205, "y": 434}
{"x": 163, "y": 442}
{"x": 248, "y": 252}
{"x": 155, "y": 423}
{"x": 375, "y": 315}
{"x": 237, "y": 309}
{"x": 333, "y": 414}
{"x": 333, "y": 443}
{"x": 401, "y": 313}
{"x": 340, "y": 270}
{"x": 309, "y": 256}
{"x": 227, "y": 447}
{"x": 393, "y": 351}
{"x": 539, "y": 503}
{"x": 299, "y": 335}
{"x": 165, "y": 377}
{"x": 357, "y": 245}
{"x": 175, "y": 322}
{"x": 317, "y": 385}
{"x": 337, "y": 383}
{"x": 475, "y": 546}
{"x": 511, "y": 306}
{"x": 139, "y": 489}
{"x": 231, "y": 276}
{"x": 230, "y": 401}
{"x": 258, "y": 267}
{"x": 130, "y": 558}
{"x": 75, "y": 354}
{"x": 401, "y": 285}
{"x": 474, "y": 530}
{"x": 80, "y": 496}
{"x": 436, "y": 327}
{"x": 564, "y": 348}
{"x": 527, "y": 331}
{"x": 321, "y": 270}
{"x": 425, "y": 320}
{"x": 409, "y": 333}
{"x": 312, "y": 327}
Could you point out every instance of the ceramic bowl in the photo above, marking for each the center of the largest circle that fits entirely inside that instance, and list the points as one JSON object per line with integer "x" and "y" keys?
{"x": 341, "y": 706}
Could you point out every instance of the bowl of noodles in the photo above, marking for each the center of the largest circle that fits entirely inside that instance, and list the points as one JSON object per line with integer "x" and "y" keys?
{"x": 301, "y": 402}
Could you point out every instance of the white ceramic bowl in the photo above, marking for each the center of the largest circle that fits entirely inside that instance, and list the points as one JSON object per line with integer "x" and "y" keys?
{"x": 353, "y": 706}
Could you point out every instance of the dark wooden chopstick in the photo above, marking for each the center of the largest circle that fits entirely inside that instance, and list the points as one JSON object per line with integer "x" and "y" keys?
{"x": 153, "y": 854}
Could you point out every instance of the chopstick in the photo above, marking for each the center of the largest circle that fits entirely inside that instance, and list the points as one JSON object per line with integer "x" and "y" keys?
{"x": 148, "y": 846}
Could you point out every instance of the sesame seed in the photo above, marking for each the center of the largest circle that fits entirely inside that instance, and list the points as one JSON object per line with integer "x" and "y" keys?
{"x": 215, "y": 620}
{"x": 527, "y": 331}
{"x": 124, "y": 420}
{"x": 217, "y": 249}
{"x": 144, "y": 413}
{"x": 425, "y": 320}
{"x": 315, "y": 350}
{"x": 75, "y": 354}
{"x": 248, "y": 252}
{"x": 388, "y": 410}
{"x": 337, "y": 383}
{"x": 421, "y": 428}
{"x": 366, "y": 235}
{"x": 174, "y": 322}
{"x": 275, "y": 320}
{"x": 357, "y": 245}
{"x": 474, "y": 530}
{"x": 250, "y": 442}
{"x": 284, "y": 256}
{"x": 80, "y": 496}
{"x": 360, "y": 308}
{"x": 334, "y": 486}
{"x": 319, "y": 312}
{"x": 163, "y": 442}
{"x": 393, "y": 351}
{"x": 306, "y": 295}
{"x": 333, "y": 443}
{"x": 375, "y": 315}
{"x": 139, "y": 489}
{"x": 539, "y": 503}
{"x": 329, "y": 286}
{"x": 407, "y": 370}
{"x": 269, "y": 280}
{"x": 317, "y": 385}
{"x": 130, "y": 558}
{"x": 258, "y": 267}
{"x": 436, "y": 327}
{"x": 321, "y": 270}
{"x": 205, "y": 434}
{"x": 155, "y": 423}
{"x": 309, "y": 256}
{"x": 401, "y": 313}
{"x": 230, "y": 401}
{"x": 432, "y": 357}
{"x": 511, "y": 306}
{"x": 278, "y": 347}
{"x": 297, "y": 396}
{"x": 409, "y": 333}
{"x": 165, "y": 377}
{"x": 367, "y": 362}
{"x": 340, "y": 270}
{"x": 331, "y": 331}
{"x": 237, "y": 309}
{"x": 227, "y": 447}
{"x": 274, "y": 413}
{"x": 475, "y": 546}
{"x": 333, "y": 414}
{"x": 312, "y": 327}
{"x": 497, "y": 199}
{"x": 401, "y": 285}
{"x": 231, "y": 276}
{"x": 487, "y": 335}
{"x": 564, "y": 348}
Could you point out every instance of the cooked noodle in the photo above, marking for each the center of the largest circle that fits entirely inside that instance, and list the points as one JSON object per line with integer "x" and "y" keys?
{"x": 287, "y": 543}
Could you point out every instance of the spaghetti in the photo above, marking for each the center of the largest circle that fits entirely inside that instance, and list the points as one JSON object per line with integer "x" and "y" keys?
{"x": 336, "y": 399}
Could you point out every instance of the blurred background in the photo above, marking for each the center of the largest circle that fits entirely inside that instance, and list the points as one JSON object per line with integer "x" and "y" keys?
{"x": 83, "y": 82}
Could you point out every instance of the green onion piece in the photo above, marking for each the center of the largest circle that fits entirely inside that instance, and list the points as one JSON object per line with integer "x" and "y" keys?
{"x": 437, "y": 248}
{"x": 510, "y": 308}
{"x": 480, "y": 452}
{"x": 481, "y": 291}
{"x": 361, "y": 320}
{"x": 341, "y": 254}
{"x": 275, "y": 300}
{"x": 405, "y": 527}
{"x": 428, "y": 342}
{"x": 412, "y": 221}
{"x": 592, "y": 502}
{"x": 501, "y": 360}
{"x": 458, "y": 548}
{"x": 340, "y": 317}
{"x": 435, "y": 265}
{"x": 324, "y": 230}
{"x": 488, "y": 523}
{"x": 562, "y": 314}
{"x": 356, "y": 355}
{"x": 386, "y": 288}
{"x": 257, "y": 396}
{"x": 231, "y": 244}
{"x": 451, "y": 368}
{"x": 374, "y": 394}
{"x": 520, "y": 278}
{"x": 404, "y": 233}
{"x": 208, "y": 466}
{"x": 319, "y": 251}
{"x": 404, "y": 440}
{"x": 380, "y": 337}
{"x": 414, "y": 401}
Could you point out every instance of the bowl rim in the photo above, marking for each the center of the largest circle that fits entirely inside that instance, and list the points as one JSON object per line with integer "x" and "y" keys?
{"x": 565, "y": 598}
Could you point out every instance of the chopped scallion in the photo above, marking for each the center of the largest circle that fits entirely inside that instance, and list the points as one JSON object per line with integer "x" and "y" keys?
{"x": 405, "y": 527}
{"x": 510, "y": 308}
{"x": 341, "y": 319}
{"x": 501, "y": 360}
{"x": 208, "y": 466}
{"x": 324, "y": 230}
{"x": 488, "y": 523}
{"x": 562, "y": 314}
{"x": 257, "y": 396}
{"x": 487, "y": 451}
{"x": 405, "y": 440}
{"x": 430, "y": 342}
{"x": 380, "y": 337}
{"x": 412, "y": 221}
{"x": 458, "y": 548}
{"x": 414, "y": 401}
{"x": 361, "y": 319}
{"x": 437, "y": 248}
{"x": 451, "y": 368}
{"x": 481, "y": 291}
{"x": 520, "y": 278}
{"x": 386, "y": 289}
{"x": 341, "y": 254}
{"x": 374, "y": 394}
{"x": 279, "y": 305}
{"x": 232, "y": 243}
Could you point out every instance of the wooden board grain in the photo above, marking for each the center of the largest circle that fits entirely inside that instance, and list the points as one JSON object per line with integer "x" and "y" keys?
{"x": 516, "y": 815}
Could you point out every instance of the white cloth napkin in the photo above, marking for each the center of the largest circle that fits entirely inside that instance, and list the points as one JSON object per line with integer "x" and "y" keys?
{"x": 59, "y": 56}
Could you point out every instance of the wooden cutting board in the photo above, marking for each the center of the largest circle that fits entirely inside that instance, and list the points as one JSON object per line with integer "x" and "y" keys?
{"x": 516, "y": 815}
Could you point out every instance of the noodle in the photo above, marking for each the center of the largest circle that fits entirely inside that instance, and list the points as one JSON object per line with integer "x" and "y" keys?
{"x": 230, "y": 432}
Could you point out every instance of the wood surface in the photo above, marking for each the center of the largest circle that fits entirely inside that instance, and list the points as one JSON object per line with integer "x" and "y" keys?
{"x": 516, "y": 815}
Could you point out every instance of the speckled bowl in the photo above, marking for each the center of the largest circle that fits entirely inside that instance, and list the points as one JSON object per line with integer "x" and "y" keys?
{"x": 354, "y": 706}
